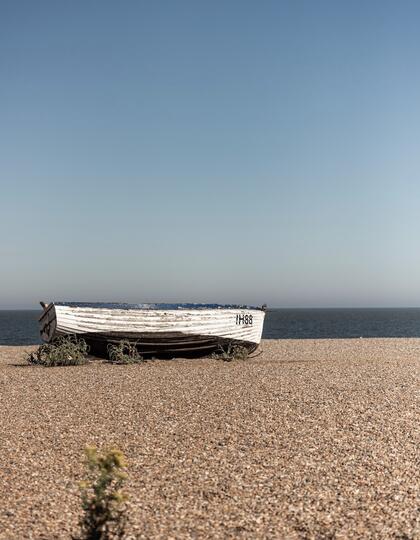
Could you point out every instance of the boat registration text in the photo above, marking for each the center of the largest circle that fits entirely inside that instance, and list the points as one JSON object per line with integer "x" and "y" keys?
{"x": 244, "y": 319}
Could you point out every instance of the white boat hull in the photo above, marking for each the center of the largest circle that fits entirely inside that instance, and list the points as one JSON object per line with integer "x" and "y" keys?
{"x": 156, "y": 331}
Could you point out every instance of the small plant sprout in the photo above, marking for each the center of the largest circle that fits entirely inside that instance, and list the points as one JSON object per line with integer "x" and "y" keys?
{"x": 231, "y": 352}
{"x": 124, "y": 352}
{"x": 103, "y": 501}
{"x": 63, "y": 351}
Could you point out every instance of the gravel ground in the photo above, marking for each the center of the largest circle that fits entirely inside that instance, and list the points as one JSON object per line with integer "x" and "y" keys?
{"x": 311, "y": 439}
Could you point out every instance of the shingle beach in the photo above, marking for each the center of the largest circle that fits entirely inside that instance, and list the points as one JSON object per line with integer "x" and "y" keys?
{"x": 310, "y": 439}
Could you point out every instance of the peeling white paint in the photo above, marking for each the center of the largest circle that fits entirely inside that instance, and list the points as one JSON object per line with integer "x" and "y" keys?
{"x": 236, "y": 324}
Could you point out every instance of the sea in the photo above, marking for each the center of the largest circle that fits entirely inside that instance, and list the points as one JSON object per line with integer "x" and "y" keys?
{"x": 21, "y": 327}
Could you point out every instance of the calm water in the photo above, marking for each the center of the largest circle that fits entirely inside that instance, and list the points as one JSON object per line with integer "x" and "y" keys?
{"x": 21, "y": 327}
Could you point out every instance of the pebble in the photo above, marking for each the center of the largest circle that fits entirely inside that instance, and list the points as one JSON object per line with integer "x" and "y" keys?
{"x": 311, "y": 439}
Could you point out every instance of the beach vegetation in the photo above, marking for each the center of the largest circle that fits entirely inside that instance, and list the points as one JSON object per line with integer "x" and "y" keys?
{"x": 63, "y": 351}
{"x": 124, "y": 352}
{"x": 231, "y": 351}
{"x": 103, "y": 500}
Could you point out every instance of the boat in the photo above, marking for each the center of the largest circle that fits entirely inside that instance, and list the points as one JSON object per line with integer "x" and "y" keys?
{"x": 160, "y": 330}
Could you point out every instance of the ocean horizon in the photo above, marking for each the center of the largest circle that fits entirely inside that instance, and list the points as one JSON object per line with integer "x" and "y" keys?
{"x": 20, "y": 327}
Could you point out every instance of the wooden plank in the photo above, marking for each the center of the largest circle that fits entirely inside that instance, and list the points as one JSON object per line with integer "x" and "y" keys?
{"x": 186, "y": 325}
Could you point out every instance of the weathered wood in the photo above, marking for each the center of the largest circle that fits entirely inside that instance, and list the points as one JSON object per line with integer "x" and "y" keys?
{"x": 156, "y": 330}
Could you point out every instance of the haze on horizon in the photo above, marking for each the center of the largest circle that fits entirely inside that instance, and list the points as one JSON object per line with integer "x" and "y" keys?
{"x": 226, "y": 152}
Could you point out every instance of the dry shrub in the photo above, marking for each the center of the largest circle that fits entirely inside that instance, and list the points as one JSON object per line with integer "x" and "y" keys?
{"x": 230, "y": 352}
{"x": 124, "y": 352}
{"x": 103, "y": 501}
{"x": 63, "y": 351}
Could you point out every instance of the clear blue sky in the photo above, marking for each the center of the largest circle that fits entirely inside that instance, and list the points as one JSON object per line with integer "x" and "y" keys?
{"x": 210, "y": 151}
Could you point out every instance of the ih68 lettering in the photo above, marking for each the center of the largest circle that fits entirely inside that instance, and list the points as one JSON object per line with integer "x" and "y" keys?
{"x": 244, "y": 319}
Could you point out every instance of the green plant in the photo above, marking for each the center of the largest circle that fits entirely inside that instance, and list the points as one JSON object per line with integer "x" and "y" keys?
{"x": 124, "y": 352}
{"x": 103, "y": 501}
{"x": 63, "y": 351}
{"x": 230, "y": 352}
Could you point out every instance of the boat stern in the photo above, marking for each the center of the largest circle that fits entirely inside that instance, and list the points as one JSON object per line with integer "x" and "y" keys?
{"x": 47, "y": 322}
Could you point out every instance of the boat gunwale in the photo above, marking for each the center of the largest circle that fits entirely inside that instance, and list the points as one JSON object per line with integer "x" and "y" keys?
{"x": 154, "y": 307}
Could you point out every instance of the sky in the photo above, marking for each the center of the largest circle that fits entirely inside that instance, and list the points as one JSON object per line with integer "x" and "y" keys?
{"x": 224, "y": 151}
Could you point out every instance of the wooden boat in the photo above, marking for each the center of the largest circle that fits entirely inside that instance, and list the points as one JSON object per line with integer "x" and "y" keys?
{"x": 157, "y": 329}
